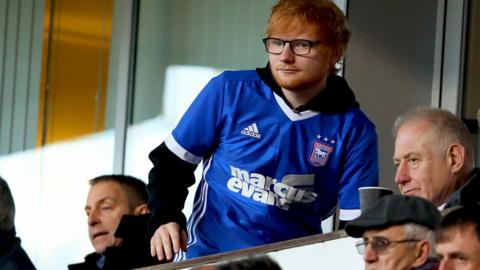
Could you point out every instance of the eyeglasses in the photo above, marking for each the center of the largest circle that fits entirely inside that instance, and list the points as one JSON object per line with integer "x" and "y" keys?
{"x": 379, "y": 244}
{"x": 297, "y": 46}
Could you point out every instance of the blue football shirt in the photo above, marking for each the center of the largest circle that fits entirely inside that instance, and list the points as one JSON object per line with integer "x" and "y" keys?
{"x": 269, "y": 173}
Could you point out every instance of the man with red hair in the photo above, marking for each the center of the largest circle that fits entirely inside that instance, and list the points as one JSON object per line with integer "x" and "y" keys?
{"x": 280, "y": 145}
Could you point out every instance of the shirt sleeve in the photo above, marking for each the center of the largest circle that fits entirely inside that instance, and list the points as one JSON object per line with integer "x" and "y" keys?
{"x": 360, "y": 169}
{"x": 167, "y": 187}
{"x": 198, "y": 132}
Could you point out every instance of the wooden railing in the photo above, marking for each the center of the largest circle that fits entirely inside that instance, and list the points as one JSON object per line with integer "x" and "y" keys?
{"x": 336, "y": 243}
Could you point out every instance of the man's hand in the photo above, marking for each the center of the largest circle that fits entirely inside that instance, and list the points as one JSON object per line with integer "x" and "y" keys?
{"x": 167, "y": 240}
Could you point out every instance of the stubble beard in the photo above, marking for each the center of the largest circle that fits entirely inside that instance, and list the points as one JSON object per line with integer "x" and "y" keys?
{"x": 297, "y": 83}
{"x": 294, "y": 85}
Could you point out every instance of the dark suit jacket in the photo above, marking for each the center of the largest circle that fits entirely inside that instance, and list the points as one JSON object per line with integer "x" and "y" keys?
{"x": 469, "y": 193}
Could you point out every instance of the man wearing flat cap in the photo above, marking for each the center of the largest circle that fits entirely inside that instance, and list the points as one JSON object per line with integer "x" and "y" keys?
{"x": 398, "y": 234}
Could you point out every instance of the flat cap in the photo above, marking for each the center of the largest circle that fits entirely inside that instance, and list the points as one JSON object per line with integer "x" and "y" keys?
{"x": 393, "y": 210}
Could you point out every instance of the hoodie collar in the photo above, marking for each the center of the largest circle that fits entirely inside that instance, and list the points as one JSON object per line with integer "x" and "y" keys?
{"x": 336, "y": 97}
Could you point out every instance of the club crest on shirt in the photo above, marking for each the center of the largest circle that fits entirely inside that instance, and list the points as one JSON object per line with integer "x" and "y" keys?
{"x": 321, "y": 150}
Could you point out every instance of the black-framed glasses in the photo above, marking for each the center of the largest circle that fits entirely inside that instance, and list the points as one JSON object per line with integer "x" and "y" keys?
{"x": 379, "y": 244}
{"x": 297, "y": 46}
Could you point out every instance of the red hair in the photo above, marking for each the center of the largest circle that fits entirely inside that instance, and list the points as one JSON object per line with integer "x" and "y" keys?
{"x": 293, "y": 15}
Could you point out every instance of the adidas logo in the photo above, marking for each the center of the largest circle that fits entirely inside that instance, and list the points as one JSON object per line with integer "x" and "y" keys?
{"x": 251, "y": 131}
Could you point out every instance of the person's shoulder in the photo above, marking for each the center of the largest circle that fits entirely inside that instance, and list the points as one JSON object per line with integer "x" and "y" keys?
{"x": 16, "y": 258}
{"x": 240, "y": 75}
{"x": 79, "y": 266}
{"x": 82, "y": 266}
{"x": 359, "y": 118}
{"x": 88, "y": 264}
{"x": 129, "y": 256}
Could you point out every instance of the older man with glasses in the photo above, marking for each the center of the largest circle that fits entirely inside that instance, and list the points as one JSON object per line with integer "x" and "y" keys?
{"x": 398, "y": 234}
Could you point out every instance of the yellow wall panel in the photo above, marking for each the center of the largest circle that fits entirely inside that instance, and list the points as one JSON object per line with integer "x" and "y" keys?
{"x": 75, "y": 73}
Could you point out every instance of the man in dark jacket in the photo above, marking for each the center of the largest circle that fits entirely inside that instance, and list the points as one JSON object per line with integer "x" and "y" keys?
{"x": 12, "y": 255}
{"x": 117, "y": 224}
